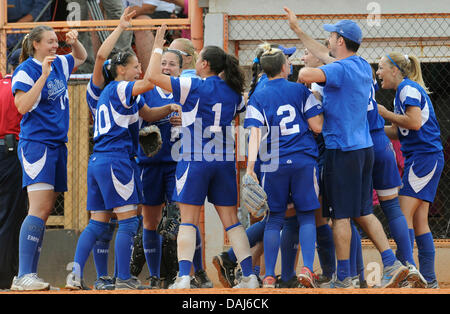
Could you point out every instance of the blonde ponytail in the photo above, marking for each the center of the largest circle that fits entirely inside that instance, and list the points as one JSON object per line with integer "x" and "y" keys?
{"x": 409, "y": 66}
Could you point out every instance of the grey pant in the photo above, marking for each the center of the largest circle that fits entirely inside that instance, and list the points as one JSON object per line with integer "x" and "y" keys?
{"x": 113, "y": 10}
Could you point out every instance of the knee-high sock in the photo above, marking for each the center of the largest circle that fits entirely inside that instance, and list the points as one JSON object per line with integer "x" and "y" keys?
{"x": 239, "y": 242}
{"x": 255, "y": 234}
{"x": 100, "y": 251}
{"x": 307, "y": 237}
{"x": 185, "y": 248}
{"x": 123, "y": 246}
{"x": 355, "y": 251}
{"x": 326, "y": 250}
{"x": 152, "y": 250}
{"x": 272, "y": 241}
{"x": 399, "y": 229}
{"x": 426, "y": 254}
{"x": 29, "y": 238}
{"x": 198, "y": 254}
{"x": 38, "y": 252}
{"x": 289, "y": 247}
{"x": 93, "y": 231}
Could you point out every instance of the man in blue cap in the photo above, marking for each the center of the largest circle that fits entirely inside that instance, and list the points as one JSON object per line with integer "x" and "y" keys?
{"x": 349, "y": 156}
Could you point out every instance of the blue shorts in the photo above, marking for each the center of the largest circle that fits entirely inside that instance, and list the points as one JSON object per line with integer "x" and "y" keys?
{"x": 196, "y": 180}
{"x": 43, "y": 164}
{"x": 158, "y": 182}
{"x": 297, "y": 182}
{"x": 112, "y": 182}
{"x": 347, "y": 183}
{"x": 385, "y": 171}
{"x": 421, "y": 175}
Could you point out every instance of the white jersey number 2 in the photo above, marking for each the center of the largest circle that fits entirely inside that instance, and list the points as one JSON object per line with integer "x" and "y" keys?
{"x": 284, "y": 129}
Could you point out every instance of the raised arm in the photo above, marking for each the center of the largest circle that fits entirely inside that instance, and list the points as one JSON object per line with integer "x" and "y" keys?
{"x": 153, "y": 73}
{"x": 24, "y": 101}
{"x": 108, "y": 45}
{"x": 313, "y": 46}
{"x": 78, "y": 52}
{"x": 158, "y": 113}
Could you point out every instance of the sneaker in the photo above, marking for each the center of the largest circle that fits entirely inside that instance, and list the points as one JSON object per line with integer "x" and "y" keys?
{"x": 74, "y": 282}
{"x": 323, "y": 281}
{"x": 154, "y": 283}
{"x": 393, "y": 275}
{"x": 249, "y": 282}
{"x": 183, "y": 282}
{"x": 432, "y": 284}
{"x": 415, "y": 278}
{"x": 104, "y": 283}
{"x": 225, "y": 269}
{"x": 291, "y": 283}
{"x": 335, "y": 283}
{"x": 201, "y": 280}
{"x": 133, "y": 283}
{"x": 269, "y": 282}
{"x": 307, "y": 278}
{"x": 29, "y": 282}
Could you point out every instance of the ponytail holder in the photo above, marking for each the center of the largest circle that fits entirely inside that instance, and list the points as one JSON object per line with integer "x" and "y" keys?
{"x": 256, "y": 60}
{"x": 407, "y": 58}
{"x": 393, "y": 62}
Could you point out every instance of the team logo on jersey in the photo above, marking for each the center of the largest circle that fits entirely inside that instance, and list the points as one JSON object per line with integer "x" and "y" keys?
{"x": 418, "y": 183}
{"x": 56, "y": 88}
{"x": 33, "y": 169}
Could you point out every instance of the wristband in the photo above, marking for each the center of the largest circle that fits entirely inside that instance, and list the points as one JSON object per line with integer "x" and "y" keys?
{"x": 158, "y": 50}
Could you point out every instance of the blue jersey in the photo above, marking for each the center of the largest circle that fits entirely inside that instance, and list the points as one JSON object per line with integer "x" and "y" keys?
{"x": 116, "y": 122}
{"x": 345, "y": 100}
{"x": 157, "y": 98}
{"x": 92, "y": 96}
{"x": 48, "y": 120}
{"x": 284, "y": 107}
{"x": 427, "y": 139}
{"x": 209, "y": 107}
{"x": 376, "y": 121}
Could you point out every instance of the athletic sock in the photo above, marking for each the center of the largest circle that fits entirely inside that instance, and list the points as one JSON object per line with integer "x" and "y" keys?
{"x": 255, "y": 234}
{"x": 289, "y": 247}
{"x": 388, "y": 258}
{"x": 152, "y": 250}
{"x": 355, "y": 250}
{"x": 343, "y": 269}
{"x": 38, "y": 252}
{"x": 29, "y": 238}
{"x": 123, "y": 246}
{"x": 197, "y": 261}
{"x": 307, "y": 237}
{"x": 399, "y": 229}
{"x": 93, "y": 231}
{"x": 426, "y": 254}
{"x": 326, "y": 250}
{"x": 100, "y": 251}
{"x": 239, "y": 241}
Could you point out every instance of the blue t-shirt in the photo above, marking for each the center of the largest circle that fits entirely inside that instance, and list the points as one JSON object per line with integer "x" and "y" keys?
{"x": 345, "y": 101}
{"x": 116, "y": 121}
{"x": 284, "y": 107}
{"x": 157, "y": 98}
{"x": 427, "y": 139}
{"x": 48, "y": 120}
{"x": 208, "y": 109}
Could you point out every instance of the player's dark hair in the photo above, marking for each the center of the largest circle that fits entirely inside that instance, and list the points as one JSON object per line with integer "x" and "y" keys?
{"x": 122, "y": 57}
{"x": 272, "y": 60}
{"x": 257, "y": 68}
{"x": 178, "y": 54}
{"x": 350, "y": 44}
{"x": 35, "y": 35}
{"x": 220, "y": 61}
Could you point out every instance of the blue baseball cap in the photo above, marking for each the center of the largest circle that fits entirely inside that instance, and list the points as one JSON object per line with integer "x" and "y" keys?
{"x": 287, "y": 51}
{"x": 13, "y": 58}
{"x": 347, "y": 29}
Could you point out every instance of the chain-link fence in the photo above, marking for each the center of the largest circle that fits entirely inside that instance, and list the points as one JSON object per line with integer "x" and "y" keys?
{"x": 425, "y": 35}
